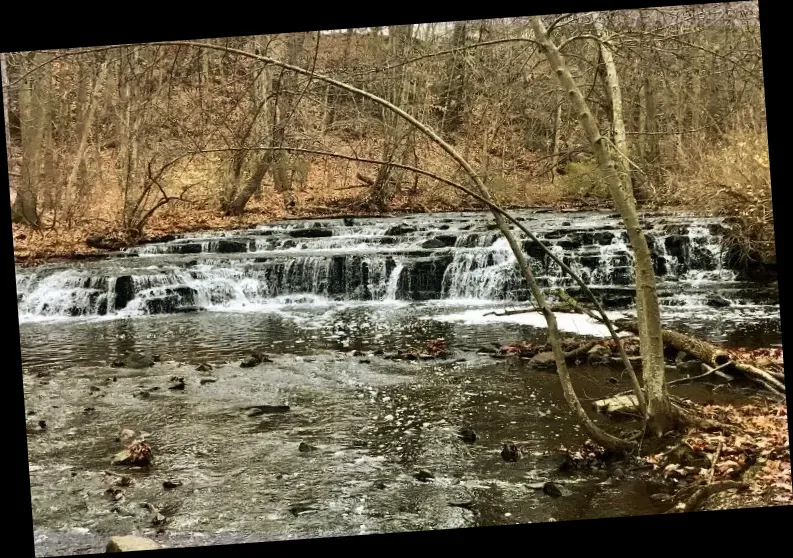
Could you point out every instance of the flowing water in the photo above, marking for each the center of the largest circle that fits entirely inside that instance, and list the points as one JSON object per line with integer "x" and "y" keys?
{"x": 309, "y": 293}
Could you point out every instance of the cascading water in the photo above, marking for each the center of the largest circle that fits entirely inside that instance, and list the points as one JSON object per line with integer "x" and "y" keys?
{"x": 393, "y": 282}
{"x": 416, "y": 258}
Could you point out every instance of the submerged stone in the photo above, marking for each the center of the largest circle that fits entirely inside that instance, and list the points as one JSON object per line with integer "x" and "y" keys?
{"x": 399, "y": 230}
{"x": 231, "y": 246}
{"x": 433, "y": 243}
{"x": 543, "y": 361}
{"x": 314, "y": 232}
{"x": 138, "y": 361}
{"x": 717, "y": 301}
{"x": 130, "y": 544}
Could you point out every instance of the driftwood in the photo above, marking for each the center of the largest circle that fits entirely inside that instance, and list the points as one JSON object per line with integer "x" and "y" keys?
{"x": 581, "y": 350}
{"x": 712, "y": 356}
{"x": 618, "y": 405}
{"x": 624, "y": 403}
{"x": 702, "y": 351}
{"x": 561, "y": 307}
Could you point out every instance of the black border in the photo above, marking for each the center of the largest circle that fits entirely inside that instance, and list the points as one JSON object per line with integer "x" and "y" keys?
{"x": 76, "y": 25}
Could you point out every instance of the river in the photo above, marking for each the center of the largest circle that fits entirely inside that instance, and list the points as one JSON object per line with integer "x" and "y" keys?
{"x": 309, "y": 293}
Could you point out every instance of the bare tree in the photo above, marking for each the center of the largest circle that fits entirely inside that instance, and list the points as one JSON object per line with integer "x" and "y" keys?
{"x": 395, "y": 135}
{"x": 661, "y": 417}
{"x": 33, "y": 113}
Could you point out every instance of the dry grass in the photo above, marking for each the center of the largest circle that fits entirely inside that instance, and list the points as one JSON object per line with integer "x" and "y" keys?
{"x": 731, "y": 177}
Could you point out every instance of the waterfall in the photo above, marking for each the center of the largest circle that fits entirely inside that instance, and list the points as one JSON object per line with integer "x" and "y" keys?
{"x": 421, "y": 257}
{"x": 393, "y": 282}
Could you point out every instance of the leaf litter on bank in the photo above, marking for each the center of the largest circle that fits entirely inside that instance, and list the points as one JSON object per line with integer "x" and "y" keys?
{"x": 755, "y": 451}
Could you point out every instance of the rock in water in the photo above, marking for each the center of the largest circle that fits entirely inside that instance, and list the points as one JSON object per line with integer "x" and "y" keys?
{"x": 254, "y": 359}
{"x": 423, "y": 476}
{"x": 433, "y": 243}
{"x": 177, "y": 383}
{"x": 130, "y": 544}
{"x": 717, "y": 301}
{"x": 249, "y": 361}
{"x": 543, "y": 361}
{"x": 552, "y": 490}
{"x": 467, "y": 435}
{"x": 256, "y": 410}
{"x": 203, "y": 367}
{"x": 510, "y": 452}
{"x": 305, "y": 448}
{"x": 138, "y": 361}
{"x": 399, "y": 230}
{"x": 137, "y": 454}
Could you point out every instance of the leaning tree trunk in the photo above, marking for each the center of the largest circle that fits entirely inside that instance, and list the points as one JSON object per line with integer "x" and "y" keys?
{"x": 661, "y": 416}
{"x": 714, "y": 356}
{"x": 453, "y": 95}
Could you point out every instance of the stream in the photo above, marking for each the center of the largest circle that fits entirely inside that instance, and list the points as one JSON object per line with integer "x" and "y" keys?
{"x": 325, "y": 299}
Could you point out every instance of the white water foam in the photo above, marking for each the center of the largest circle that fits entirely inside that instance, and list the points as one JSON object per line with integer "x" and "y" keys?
{"x": 572, "y": 323}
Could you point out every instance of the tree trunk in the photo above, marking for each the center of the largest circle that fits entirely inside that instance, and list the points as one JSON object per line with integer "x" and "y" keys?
{"x": 642, "y": 123}
{"x": 285, "y": 118}
{"x": 4, "y": 72}
{"x": 237, "y": 206}
{"x": 84, "y": 126}
{"x": 259, "y": 131}
{"x": 659, "y": 410}
{"x": 386, "y": 184}
{"x": 653, "y": 151}
{"x": 614, "y": 90}
{"x": 33, "y": 97}
{"x": 453, "y": 96}
{"x": 557, "y": 130}
{"x": 332, "y": 97}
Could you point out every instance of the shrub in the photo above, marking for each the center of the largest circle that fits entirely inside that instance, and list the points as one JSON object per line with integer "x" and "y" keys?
{"x": 583, "y": 179}
{"x": 732, "y": 178}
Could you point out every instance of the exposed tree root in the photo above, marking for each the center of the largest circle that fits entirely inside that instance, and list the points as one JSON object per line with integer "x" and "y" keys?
{"x": 695, "y": 496}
